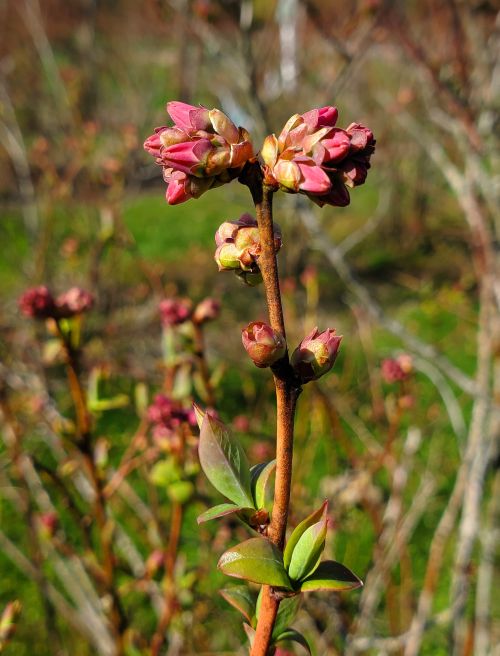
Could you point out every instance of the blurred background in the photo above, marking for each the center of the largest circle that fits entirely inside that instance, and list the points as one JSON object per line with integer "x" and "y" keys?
{"x": 402, "y": 437}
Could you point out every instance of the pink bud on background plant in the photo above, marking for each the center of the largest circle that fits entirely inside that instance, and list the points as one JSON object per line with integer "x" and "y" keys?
{"x": 203, "y": 150}
{"x": 264, "y": 345}
{"x": 396, "y": 369}
{"x": 40, "y": 304}
{"x": 74, "y": 301}
{"x": 314, "y": 157}
{"x": 37, "y": 303}
{"x": 174, "y": 311}
{"x": 207, "y": 310}
{"x": 316, "y": 354}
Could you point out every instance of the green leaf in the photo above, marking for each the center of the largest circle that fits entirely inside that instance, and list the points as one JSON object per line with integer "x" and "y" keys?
{"x": 261, "y": 476}
{"x": 299, "y": 530}
{"x": 331, "y": 575}
{"x": 165, "y": 472}
{"x": 287, "y": 612}
{"x": 291, "y": 635}
{"x": 219, "y": 511}
{"x": 180, "y": 491}
{"x": 241, "y": 598}
{"x": 307, "y": 552}
{"x": 113, "y": 403}
{"x": 256, "y": 560}
{"x": 224, "y": 462}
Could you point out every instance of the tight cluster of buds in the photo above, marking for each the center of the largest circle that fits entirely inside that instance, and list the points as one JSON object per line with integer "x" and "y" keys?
{"x": 313, "y": 157}
{"x": 264, "y": 345}
{"x": 168, "y": 417}
{"x": 395, "y": 370}
{"x": 239, "y": 248}
{"x": 203, "y": 150}
{"x": 316, "y": 354}
{"x": 39, "y": 303}
{"x": 174, "y": 311}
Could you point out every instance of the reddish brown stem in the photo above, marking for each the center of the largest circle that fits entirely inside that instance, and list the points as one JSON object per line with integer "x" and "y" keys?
{"x": 287, "y": 391}
{"x": 168, "y": 582}
{"x": 85, "y": 446}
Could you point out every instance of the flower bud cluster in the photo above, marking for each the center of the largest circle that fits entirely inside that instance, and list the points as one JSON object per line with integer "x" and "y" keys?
{"x": 313, "y": 157}
{"x": 39, "y": 303}
{"x": 168, "y": 416}
{"x": 174, "y": 311}
{"x": 207, "y": 310}
{"x": 395, "y": 370}
{"x": 239, "y": 248}
{"x": 264, "y": 345}
{"x": 316, "y": 354}
{"x": 203, "y": 150}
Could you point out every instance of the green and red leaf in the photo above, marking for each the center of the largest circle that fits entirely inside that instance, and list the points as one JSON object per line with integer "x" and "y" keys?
{"x": 291, "y": 635}
{"x": 307, "y": 553}
{"x": 333, "y": 576}
{"x": 224, "y": 462}
{"x": 241, "y": 598}
{"x": 297, "y": 533}
{"x": 261, "y": 479}
{"x": 256, "y": 560}
{"x": 221, "y": 510}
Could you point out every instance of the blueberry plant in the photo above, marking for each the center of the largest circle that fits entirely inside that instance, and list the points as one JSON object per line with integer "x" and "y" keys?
{"x": 311, "y": 156}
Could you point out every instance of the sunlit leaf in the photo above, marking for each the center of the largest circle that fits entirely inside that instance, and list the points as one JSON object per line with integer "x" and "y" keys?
{"x": 261, "y": 478}
{"x": 299, "y": 530}
{"x": 219, "y": 511}
{"x": 307, "y": 552}
{"x": 241, "y": 598}
{"x": 331, "y": 575}
{"x": 199, "y": 414}
{"x": 256, "y": 560}
{"x": 291, "y": 635}
{"x": 224, "y": 462}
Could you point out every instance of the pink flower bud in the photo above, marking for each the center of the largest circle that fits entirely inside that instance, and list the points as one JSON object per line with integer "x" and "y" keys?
{"x": 316, "y": 354}
{"x": 203, "y": 150}
{"x": 174, "y": 311}
{"x": 153, "y": 143}
{"x": 188, "y": 157}
{"x": 238, "y": 246}
{"x": 187, "y": 116}
{"x": 206, "y": 310}
{"x": 313, "y": 157}
{"x": 322, "y": 117}
{"x": 395, "y": 370}
{"x": 264, "y": 345}
{"x": 37, "y": 303}
{"x": 48, "y": 522}
{"x": 74, "y": 301}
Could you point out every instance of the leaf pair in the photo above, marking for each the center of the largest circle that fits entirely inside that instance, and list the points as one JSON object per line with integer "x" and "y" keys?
{"x": 226, "y": 467}
{"x": 299, "y": 568}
